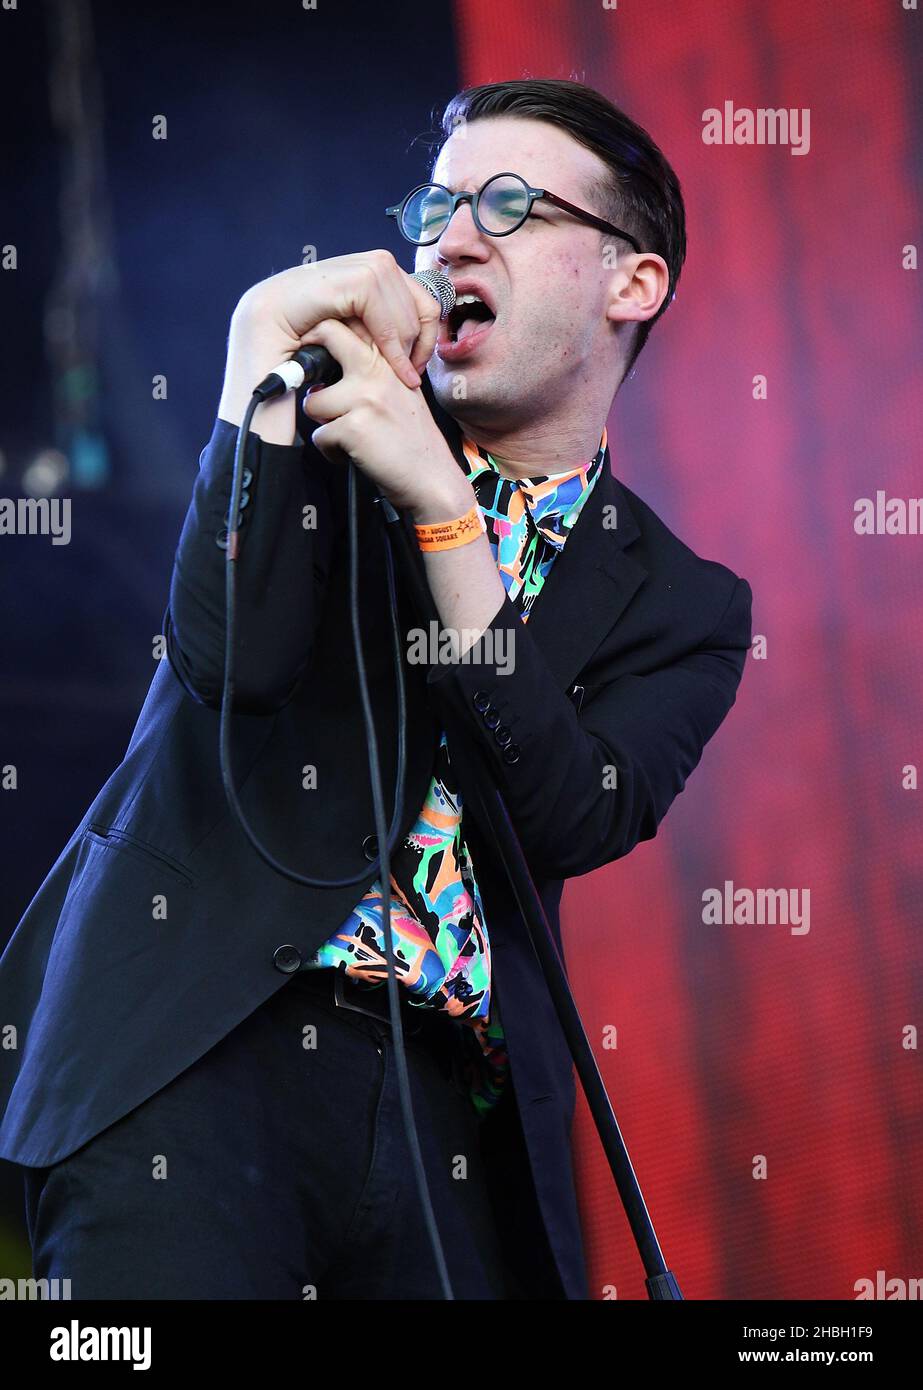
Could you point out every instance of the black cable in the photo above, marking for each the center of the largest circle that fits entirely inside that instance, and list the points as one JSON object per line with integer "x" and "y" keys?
{"x": 386, "y": 838}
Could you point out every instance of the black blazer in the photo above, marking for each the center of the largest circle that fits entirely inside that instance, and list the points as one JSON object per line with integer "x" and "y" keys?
{"x": 631, "y": 658}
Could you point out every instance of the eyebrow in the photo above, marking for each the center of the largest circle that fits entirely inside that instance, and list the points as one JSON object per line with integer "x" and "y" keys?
{"x": 459, "y": 190}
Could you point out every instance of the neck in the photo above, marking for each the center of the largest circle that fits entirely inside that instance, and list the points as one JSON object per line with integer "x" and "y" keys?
{"x": 533, "y": 453}
{"x": 553, "y": 441}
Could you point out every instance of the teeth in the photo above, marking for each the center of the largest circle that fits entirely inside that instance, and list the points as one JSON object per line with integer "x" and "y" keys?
{"x": 457, "y": 317}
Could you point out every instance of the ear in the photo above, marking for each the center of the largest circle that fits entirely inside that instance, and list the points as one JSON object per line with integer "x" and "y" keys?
{"x": 637, "y": 287}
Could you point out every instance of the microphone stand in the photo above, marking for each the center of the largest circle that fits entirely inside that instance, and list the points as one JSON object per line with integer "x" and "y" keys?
{"x": 660, "y": 1281}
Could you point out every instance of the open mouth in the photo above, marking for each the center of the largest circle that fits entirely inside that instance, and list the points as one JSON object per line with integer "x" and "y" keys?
{"x": 468, "y": 315}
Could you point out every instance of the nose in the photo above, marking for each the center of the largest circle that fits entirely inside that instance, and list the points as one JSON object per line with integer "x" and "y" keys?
{"x": 461, "y": 239}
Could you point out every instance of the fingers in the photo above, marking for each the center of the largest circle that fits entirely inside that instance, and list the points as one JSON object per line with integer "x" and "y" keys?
{"x": 368, "y": 289}
{"x": 354, "y": 350}
{"x": 355, "y": 326}
{"x": 391, "y": 312}
{"x": 384, "y": 305}
{"x": 428, "y": 314}
{"x": 358, "y": 327}
{"x": 342, "y": 342}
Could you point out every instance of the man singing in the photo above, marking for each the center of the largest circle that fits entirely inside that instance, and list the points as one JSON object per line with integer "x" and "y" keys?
{"x": 201, "y": 1084}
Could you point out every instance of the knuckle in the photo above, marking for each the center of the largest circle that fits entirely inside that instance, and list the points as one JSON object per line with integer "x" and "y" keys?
{"x": 254, "y": 303}
{"x": 356, "y": 290}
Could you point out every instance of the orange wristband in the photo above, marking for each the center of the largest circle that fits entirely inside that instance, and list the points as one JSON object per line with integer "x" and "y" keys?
{"x": 445, "y": 535}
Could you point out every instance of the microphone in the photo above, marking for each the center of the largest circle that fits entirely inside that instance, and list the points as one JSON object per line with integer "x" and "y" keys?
{"x": 314, "y": 366}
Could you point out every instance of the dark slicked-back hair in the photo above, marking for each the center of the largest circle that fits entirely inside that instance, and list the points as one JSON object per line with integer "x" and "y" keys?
{"x": 640, "y": 193}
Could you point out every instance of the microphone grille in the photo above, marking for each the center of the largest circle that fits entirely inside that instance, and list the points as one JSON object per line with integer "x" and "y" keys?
{"x": 440, "y": 287}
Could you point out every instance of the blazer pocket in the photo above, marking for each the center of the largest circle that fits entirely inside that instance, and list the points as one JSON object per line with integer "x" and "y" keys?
{"x": 111, "y": 837}
{"x": 575, "y": 695}
{"x": 582, "y": 692}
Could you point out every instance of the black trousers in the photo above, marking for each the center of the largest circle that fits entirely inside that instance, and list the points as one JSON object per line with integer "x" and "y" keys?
{"x": 277, "y": 1167}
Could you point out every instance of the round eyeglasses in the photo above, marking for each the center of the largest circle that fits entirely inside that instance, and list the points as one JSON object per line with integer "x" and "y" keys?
{"x": 499, "y": 207}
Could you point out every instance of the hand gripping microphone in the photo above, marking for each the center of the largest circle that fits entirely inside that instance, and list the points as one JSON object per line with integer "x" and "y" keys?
{"x": 313, "y": 365}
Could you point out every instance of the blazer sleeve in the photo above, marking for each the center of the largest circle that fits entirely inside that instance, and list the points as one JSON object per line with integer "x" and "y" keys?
{"x": 585, "y": 788}
{"x": 286, "y": 541}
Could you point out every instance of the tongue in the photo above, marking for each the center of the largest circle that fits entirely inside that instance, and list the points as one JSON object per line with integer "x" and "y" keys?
{"x": 469, "y": 325}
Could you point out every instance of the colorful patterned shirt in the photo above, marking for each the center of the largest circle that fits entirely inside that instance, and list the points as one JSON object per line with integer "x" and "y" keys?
{"x": 438, "y": 923}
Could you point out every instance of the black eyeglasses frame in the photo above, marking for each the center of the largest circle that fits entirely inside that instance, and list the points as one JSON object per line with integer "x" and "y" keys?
{"x": 535, "y": 194}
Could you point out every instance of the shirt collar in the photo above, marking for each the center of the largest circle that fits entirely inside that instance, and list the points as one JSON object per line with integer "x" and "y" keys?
{"x": 553, "y": 500}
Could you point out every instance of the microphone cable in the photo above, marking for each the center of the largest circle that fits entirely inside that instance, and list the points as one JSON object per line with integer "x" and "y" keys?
{"x": 387, "y": 836}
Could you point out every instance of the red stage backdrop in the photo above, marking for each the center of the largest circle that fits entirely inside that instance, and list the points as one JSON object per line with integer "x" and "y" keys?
{"x": 767, "y": 1076}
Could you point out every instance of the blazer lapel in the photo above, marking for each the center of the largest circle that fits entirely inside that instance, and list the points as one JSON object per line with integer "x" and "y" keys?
{"x": 590, "y": 583}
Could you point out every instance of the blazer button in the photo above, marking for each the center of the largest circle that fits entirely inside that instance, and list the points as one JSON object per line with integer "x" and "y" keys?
{"x": 491, "y": 719}
{"x": 221, "y": 538}
{"x": 511, "y": 753}
{"x": 480, "y": 701}
{"x": 502, "y": 735}
{"x": 287, "y": 959}
{"x": 370, "y": 847}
